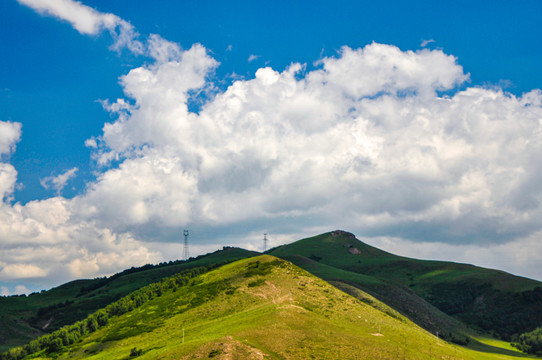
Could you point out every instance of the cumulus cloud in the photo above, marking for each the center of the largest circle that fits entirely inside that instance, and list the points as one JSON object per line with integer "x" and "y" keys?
{"x": 89, "y": 21}
{"x": 163, "y": 50}
{"x": 10, "y": 133}
{"x": 58, "y": 182}
{"x": 161, "y": 88}
{"x": 385, "y": 143}
{"x": 46, "y": 241}
{"x": 8, "y": 178}
{"x": 382, "y": 69}
{"x": 21, "y": 271}
{"x": 365, "y": 142}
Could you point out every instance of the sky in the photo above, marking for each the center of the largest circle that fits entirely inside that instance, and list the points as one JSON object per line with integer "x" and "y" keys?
{"x": 415, "y": 125}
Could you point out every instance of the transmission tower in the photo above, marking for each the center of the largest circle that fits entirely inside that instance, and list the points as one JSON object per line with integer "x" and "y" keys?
{"x": 185, "y": 247}
{"x": 264, "y": 242}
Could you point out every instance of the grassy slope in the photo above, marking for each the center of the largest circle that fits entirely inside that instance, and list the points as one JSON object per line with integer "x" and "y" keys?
{"x": 477, "y": 296}
{"x": 19, "y": 314}
{"x": 400, "y": 298}
{"x": 287, "y": 313}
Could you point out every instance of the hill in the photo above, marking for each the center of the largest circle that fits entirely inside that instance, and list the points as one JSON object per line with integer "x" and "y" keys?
{"x": 437, "y": 295}
{"x": 257, "y": 308}
{"x": 24, "y": 318}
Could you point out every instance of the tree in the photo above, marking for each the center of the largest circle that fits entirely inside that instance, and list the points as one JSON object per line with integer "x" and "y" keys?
{"x": 55, "y": 345}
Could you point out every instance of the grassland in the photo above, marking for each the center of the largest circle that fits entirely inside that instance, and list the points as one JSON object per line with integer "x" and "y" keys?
{"x": 266, "y": 308}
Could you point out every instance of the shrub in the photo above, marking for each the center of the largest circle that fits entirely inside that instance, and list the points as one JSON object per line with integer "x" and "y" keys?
{"x": 530, "y": 342}
{"x": 214, "y": 353}
{"x": 256, "y": 283}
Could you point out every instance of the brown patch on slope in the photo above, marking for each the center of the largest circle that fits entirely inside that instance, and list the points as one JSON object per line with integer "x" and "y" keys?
{"x": 227, "y": 348}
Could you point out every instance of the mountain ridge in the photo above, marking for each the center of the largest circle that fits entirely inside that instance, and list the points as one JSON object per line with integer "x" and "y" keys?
{"x": 427, "y": 292}
{"x": 262, "y": 308}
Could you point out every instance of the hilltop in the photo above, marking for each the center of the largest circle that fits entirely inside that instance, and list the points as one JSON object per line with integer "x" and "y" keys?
{"x": 438, "y": 295}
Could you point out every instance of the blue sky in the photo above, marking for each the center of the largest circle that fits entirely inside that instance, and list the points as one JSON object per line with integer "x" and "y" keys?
{"x": 55, "y": 80}
{"x": 63, "y": 74}
{"x": 50, "y": 65}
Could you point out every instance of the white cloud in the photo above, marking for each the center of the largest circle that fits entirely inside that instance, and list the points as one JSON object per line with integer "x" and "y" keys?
{"x": 88, "y": 21}
{"x": 8, "y": 178}
{"x": 161, "y": 88}
{"x": 47, "y": 240}
{"x": 91, "y": 143}
{"x": 152, "y": 188}
{"x": 379, "y": 68}
{"x": 365, "y": 143}
{"x": 163, "y": 50}
{"x": 10, "y": 134}
{"x": 21, "y": 271}
{"x": 424, "y": 43}
{"x": 253, "y": 57}
{"x": 58, "y": 182}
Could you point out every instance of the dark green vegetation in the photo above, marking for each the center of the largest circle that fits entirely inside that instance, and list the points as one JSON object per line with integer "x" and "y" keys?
{"x": 24, "y": 318}
{"x": 437, "y": 295}
{"x": 286, "y": 313}
{"x": 70, "y": 334}
{"x": 530, "y": 342}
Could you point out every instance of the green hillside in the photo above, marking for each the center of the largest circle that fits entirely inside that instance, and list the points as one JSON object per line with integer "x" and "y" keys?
{"x": 257, "y": 308}
{"x": 434, "y": 294}
{"x": 24, "y": 318}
